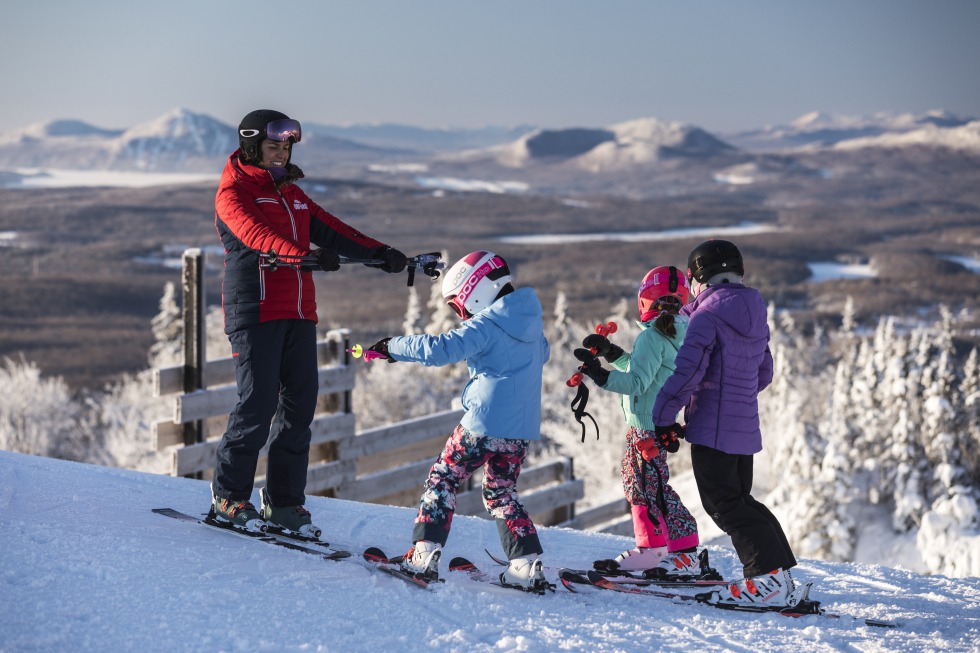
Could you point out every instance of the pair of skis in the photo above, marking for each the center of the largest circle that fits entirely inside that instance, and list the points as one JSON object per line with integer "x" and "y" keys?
{"x": 618, "y": 581}
{"x": 392, "y": 566}
{"x": 285, "y": 540}
{"x": 646, "y": 587}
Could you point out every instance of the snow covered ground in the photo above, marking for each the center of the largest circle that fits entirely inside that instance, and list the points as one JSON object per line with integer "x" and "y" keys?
{"x": 85, "y": 566}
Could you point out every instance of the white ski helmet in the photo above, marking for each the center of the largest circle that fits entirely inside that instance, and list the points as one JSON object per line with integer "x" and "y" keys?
{"x": 474, "y": 281}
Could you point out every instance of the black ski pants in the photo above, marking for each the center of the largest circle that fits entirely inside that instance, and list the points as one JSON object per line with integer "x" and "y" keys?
{"x": 725, "y": 485}
{"x": 276, "y": 372}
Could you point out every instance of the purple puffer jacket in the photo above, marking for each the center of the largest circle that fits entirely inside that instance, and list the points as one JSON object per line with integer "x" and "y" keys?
{"x": 720, "y": 369}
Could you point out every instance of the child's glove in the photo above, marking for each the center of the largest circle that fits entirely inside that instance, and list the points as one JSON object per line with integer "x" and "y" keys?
{"x": 591, "y": 367}
{"x": 648, "y": 448}
{"x": 381, "y": 348}
{"x": 602, "y": 347}
{"x": 669, "y": 435}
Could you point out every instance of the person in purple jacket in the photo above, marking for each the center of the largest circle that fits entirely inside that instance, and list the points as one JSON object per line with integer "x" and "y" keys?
{"x": 720, "y": 369}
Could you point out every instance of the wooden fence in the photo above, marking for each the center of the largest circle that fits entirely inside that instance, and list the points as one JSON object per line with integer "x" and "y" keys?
{"x": 387, "y": 464}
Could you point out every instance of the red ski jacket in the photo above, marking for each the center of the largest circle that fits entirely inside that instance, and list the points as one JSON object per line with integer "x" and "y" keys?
{"x": 253, "y": 216}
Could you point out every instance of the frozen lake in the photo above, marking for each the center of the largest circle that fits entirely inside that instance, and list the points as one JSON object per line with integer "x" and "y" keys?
{"x": 742, "y": 229}
{"x": 827, "y": 270}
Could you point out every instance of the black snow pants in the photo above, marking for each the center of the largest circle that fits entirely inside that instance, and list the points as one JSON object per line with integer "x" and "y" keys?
{"x": 725, "y": 485}
{"x": 276, "y": 372}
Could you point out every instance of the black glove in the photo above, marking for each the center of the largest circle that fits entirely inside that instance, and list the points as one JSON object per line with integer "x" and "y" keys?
{"x": 669, "y": 436}
{"x": 327, "y": 260}
{"x": 591, "y": 367}
{"x": 602, "y": 347}
{"x": 381, "y": 347}
{"x": 393, "y": 260}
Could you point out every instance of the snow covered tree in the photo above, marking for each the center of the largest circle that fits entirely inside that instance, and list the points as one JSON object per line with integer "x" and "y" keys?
{"x": 168, "y": 331}
{"x": 413, "y": 314}
{"x": 38, "y": 416}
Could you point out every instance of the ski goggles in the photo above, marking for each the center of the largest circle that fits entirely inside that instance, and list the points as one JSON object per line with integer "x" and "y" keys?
{"x": 277, "y": 130}
{"x": 457, "y": 307}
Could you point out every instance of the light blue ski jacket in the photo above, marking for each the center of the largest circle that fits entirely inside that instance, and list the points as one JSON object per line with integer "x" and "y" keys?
{"x": 505, "y": 349}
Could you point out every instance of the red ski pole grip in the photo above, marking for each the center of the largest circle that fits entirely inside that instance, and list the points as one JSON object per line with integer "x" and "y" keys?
{"x": 605, "y": 328}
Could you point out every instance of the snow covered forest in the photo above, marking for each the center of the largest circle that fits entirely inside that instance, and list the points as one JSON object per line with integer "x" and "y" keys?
{"x": 872, "y": 431}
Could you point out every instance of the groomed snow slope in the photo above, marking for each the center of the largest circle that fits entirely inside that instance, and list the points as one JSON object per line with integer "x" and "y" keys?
{"x": 85, "y": 566}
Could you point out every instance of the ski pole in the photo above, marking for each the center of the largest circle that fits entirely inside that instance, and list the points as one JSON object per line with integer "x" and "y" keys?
{"x": 430, "y": 263}
{"x": 604, "y": 329}
{"x": 357, "y": 351}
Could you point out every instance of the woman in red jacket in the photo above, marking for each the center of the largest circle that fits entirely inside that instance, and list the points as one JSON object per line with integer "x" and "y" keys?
{"x": 270, "y": 319}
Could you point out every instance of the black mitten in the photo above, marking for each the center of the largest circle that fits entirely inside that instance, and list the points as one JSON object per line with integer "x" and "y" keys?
{"x": 602, "y": 347}
{"x": 591, "y": 367}
{"x": 393, "y": 261}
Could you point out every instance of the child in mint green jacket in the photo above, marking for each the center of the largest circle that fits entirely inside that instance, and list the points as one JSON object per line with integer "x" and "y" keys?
{"x": 666, "y": 532}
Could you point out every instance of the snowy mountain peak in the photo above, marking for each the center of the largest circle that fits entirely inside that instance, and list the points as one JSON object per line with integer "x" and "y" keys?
{"x": 812, "y": 119}
{"x": 58, "y": 129}
{"x": 619, "y": 146}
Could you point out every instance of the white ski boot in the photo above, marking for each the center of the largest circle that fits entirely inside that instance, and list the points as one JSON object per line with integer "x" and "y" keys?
{"x": 422, "y": 560}
{"x": 683, "y": 565}
{"x": 636, "y": 559}
{"x": 526, "y": 574}
{"x": 772, "y": 591}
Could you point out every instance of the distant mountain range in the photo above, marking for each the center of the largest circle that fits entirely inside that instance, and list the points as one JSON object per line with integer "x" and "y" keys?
{"x": 184, "y": 141}
{"x": 818, "y": 129}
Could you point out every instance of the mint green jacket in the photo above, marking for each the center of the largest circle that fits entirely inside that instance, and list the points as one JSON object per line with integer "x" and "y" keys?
{"x": 639, "y": 375}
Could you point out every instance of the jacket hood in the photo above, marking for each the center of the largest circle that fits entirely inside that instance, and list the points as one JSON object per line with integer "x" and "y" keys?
{"x": 519, "y": 314}
{"x": 740, "y": 307}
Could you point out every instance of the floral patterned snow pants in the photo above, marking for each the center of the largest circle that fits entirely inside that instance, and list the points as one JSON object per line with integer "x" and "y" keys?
{"x": 659, "y": 516}
{"x": 501, "y": 459}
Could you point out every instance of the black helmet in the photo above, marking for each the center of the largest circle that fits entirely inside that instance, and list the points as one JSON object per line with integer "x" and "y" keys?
{"x": 714, "y": 257}
{"x": 262, "y": 124}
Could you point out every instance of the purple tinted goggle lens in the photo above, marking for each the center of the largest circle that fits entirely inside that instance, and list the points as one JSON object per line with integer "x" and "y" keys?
{"x": 282, "y": 130}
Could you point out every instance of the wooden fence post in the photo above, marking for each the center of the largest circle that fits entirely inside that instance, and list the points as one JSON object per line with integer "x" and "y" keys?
{"x": 192, "y": 269}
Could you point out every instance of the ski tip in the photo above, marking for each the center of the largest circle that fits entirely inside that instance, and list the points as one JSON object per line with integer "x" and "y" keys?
{"x": 461, "y": 564}
{"x": 596, "y": 578}
{"x": 374, "y": 554}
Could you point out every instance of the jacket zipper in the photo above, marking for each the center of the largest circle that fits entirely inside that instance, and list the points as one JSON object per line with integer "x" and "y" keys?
{"x": 299, "y": 273}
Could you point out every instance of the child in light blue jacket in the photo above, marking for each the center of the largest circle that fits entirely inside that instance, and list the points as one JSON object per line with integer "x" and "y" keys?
{"x": 502, "y": 341}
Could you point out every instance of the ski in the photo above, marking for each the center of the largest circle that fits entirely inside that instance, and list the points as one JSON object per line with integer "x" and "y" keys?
{"x": 580, "y": 577}
{"x": 708, "y": 578}
{"x": 475, "y": 573}
{"x": 378, "y": 560}
{"x": 290, "y": 542}
{"x": 805, "y": 608}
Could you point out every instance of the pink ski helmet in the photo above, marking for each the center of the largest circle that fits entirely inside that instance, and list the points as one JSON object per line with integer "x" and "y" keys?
{"x": 662, "y": 284}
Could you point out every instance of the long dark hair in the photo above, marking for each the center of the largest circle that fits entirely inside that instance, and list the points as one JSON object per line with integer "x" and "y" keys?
{"x": 668, "y": 307}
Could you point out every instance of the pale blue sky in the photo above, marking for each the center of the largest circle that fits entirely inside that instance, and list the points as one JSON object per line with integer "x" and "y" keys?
{"x": 720, "y": 64}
